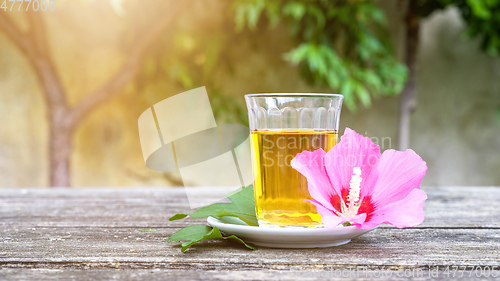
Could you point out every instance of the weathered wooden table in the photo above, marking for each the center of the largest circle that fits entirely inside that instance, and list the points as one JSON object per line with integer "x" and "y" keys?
{"x": 93, "y": 234}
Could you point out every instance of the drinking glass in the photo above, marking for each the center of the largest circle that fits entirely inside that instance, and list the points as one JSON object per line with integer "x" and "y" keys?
{"x": 281, "y": 126}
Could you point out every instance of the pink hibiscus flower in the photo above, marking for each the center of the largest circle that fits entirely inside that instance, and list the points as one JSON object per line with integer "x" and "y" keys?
{"x": 354, "y": 183}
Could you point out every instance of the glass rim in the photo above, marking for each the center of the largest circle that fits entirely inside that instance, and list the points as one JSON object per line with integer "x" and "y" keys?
{"x": 285, "y": 95}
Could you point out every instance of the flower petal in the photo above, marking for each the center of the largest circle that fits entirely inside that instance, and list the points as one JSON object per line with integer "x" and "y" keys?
{"x": 357, "y": 220}
{"x": 398, "y": 173}
{"x": 328, "y": 217}
{"x": 311, "y": 165}
{"x": 404, "y": 213}
{"x": 353, "y": 150}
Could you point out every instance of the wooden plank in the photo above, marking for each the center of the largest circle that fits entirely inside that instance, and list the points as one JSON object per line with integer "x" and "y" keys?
{"x": 401, "y": 273}
{"x": 471, "y": 207}
{"x": 131, "y": 247}
{"x": 382, "y": 249}
{"x": 61, "y": 233}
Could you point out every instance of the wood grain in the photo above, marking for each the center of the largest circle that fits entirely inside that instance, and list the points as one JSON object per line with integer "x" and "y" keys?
{"x": 62, "y": 233}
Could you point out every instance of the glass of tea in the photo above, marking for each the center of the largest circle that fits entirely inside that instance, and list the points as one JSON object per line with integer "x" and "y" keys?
{"x": 281, "y": 126}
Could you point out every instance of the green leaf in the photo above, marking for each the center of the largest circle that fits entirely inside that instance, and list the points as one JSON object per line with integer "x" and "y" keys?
{"x": 363, "y": 95}
{"x": 234, "y": 237}
{"x": 196, "y": 233}
{"x": 294, "y": 9}
{"x": 298, "y": 54}
{"x": 479, "y": 9}
{"x": 347, "y": 90}
{"x": 190, "y": 233}
{"x": 177, "y": 217}
{"x": 242, "y": 206}
{"x": 378, "y": 16}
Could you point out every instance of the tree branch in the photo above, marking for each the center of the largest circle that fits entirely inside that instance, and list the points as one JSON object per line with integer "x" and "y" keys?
{"x": 37, "y": 34}
{"x": 19, "y": 38}
{"x": 128, "y": 70}
{"x": 46, "y": 71}
{"x": 33, "y": 44}
{"x": 409, "y": 94}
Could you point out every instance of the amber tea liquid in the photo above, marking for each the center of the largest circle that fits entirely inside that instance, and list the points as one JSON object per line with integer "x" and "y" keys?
{"x": 279, "y": 189}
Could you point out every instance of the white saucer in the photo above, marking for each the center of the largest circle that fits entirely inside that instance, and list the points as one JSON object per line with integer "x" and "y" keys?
{"x": 277, "y": 237}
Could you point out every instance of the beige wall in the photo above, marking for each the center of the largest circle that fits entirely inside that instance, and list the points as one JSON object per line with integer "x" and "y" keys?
{"x": 454, "y": 129}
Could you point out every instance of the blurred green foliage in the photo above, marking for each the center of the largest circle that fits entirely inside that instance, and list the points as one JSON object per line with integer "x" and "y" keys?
{"x": 482, "y": 19}
{"x": 343, "y": 45}
{"x": 498, "y": 115}
{"x": 227, "y": 110}
{"x": 193, "y": 56}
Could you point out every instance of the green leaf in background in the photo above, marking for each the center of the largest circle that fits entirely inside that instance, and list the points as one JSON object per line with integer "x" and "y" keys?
{"x": 354, "y": 43}
{"x": 294, "y": 9}
{"x": 196, "y": 233}
{"x": 242, "y": 206}
{"x": 479, "y": 9}
{"x": 498, "y": 115}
